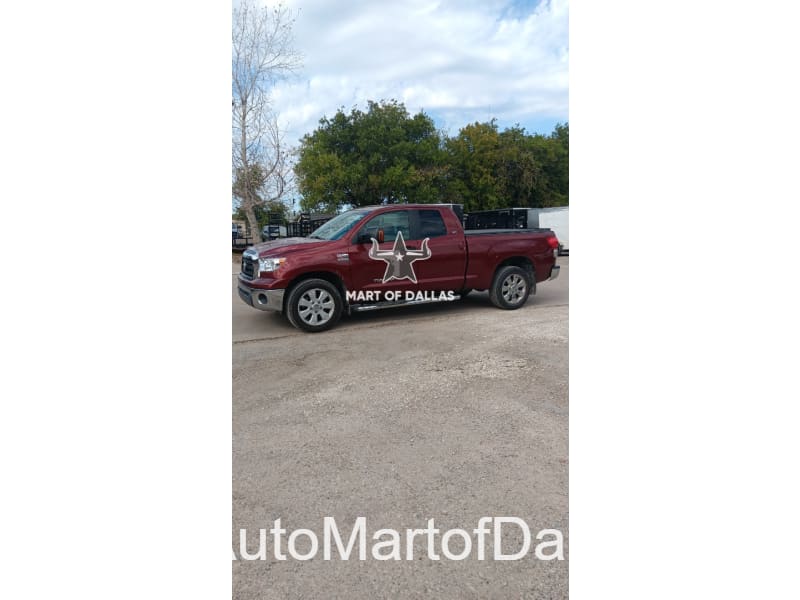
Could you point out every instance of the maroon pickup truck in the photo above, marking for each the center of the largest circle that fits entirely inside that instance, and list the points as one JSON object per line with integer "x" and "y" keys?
{"x": 395, "y": 255}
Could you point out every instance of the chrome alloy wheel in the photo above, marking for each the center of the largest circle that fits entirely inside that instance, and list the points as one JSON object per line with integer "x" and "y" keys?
{"x": 514, "y": 289}
{"x": 315, "y": 306}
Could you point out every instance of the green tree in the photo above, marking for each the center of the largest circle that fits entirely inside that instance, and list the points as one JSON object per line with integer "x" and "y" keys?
{"x": 552, "y": 157}
{"x": 383, "y": 155}
{"x": 474, "y": 158}
{"x": 517, "y": 169}
{"x": 488, "y": 169}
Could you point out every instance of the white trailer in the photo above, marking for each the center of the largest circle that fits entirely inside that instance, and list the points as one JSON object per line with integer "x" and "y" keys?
{"x": 273, "y": 232}
{"x": 557, "y": 219}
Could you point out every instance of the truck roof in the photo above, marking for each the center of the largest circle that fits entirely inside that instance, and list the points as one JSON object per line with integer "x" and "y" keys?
{"x": 403, "y": 205}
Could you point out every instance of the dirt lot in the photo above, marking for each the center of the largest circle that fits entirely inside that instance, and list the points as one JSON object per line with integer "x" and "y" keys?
{"x": 452, "y": 412}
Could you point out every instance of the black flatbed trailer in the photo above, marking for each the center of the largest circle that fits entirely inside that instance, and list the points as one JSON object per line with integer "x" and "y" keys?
{"x": 242, "y": 243}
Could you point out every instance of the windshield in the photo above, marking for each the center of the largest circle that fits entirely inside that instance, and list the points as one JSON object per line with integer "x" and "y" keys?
{"x": 337, "y": 227}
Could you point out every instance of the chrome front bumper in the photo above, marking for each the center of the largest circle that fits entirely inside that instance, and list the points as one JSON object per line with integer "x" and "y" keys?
{"x": 554, "y": 271}
{"x": 261, "y": 299}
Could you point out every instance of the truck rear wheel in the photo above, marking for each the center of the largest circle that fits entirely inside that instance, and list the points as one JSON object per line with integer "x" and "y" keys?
{"x": 314, "y": 305}
{"x": 510, "y": 288}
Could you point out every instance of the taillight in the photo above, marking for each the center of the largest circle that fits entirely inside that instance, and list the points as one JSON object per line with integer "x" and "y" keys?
{"x": 553, "y": 242}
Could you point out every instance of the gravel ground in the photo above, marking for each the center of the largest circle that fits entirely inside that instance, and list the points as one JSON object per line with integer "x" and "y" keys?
{"x": 451, "y": 412}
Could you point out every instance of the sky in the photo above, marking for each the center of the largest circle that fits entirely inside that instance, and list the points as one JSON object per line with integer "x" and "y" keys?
{"x": 460, "y": 61}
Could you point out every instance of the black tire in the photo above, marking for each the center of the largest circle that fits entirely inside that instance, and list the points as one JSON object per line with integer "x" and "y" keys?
{"x": 510, "y": 288}
{"x": 314, "y": 305}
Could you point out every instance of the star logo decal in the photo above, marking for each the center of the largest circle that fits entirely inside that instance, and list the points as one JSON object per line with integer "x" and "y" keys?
{"x": 399, "y": 260}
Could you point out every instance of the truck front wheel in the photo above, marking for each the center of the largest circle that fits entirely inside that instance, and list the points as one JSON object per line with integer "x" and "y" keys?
{"x": 510, "y": 288}
{"x": 314, "y": 305}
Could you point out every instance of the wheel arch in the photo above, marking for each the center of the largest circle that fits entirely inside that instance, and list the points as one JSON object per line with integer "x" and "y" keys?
{"x": 328, "y": 276}
{"x": 524, "y": 263}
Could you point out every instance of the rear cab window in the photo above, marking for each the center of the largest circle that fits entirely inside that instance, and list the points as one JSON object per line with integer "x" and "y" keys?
{"x": 430, "y": 223}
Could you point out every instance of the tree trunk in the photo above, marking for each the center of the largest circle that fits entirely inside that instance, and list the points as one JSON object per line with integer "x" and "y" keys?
{"x": 252, "y": 222}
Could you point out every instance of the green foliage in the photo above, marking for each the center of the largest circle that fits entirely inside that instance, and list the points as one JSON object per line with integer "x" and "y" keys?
{"x": 475, "y": 156}
{"x": 262, "y": 213}
{"x": 491, "y": 169}
{"x": 552, "y": 154}
{"x": 385, "y": 155}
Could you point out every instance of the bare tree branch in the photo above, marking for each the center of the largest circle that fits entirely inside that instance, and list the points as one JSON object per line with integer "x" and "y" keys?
{"x": 263, "y": 54}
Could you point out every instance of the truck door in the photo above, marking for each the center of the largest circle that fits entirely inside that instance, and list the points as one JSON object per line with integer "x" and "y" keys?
{"x": 367, "y": 274}
{"x": 442, "y": 269}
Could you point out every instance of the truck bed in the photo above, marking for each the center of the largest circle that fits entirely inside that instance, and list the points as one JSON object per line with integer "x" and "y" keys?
{"x": 475, "y": 232}
{"x": 485, "y": 245}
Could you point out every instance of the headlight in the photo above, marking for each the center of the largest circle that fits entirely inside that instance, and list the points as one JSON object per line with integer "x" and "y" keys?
{"x": 270, "y": 264}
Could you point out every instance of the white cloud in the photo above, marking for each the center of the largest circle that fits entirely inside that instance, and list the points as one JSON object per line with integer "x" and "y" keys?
{"x": 460, "y": 61}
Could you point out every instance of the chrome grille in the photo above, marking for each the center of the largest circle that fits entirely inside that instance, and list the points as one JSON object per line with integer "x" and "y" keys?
{"x": 249, "y": 267}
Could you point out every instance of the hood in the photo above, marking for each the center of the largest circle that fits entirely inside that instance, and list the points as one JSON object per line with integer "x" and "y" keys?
{"x": 286, "y": 245}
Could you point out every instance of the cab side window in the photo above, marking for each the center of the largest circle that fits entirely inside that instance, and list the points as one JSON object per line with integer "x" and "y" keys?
{"x": 431, "y": 224}
{"x": 391, "y": 223}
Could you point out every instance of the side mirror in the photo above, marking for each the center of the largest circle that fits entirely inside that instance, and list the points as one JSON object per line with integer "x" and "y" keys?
{"x": 366, "y": 238}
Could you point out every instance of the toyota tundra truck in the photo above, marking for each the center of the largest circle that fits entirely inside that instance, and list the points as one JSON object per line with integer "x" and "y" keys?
{"x": 393, "y": 255}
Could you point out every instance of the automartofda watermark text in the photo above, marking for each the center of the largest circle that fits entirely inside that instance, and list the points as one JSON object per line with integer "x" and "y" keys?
{"x": 485, "y": 542}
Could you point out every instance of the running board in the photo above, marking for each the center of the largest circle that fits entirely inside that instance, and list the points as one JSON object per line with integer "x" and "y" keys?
{"x": 382, "y": 305}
